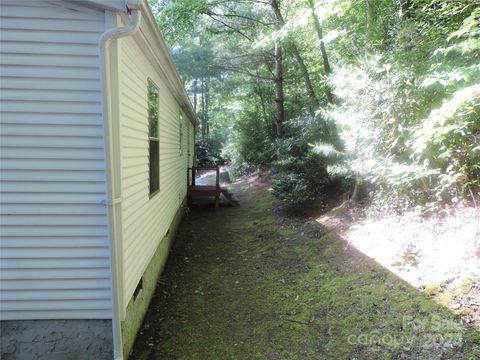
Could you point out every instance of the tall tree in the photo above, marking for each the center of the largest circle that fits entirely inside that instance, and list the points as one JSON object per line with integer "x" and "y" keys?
{"x": 326, "y": 63}
{"x": 292, "y": 46}
{"x": 279, "y": 93}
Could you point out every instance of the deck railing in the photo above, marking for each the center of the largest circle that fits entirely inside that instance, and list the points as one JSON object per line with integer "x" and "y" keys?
{"x": 193, "y": 172}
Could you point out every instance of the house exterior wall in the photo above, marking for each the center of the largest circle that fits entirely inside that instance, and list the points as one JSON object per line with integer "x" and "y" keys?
{"x": 54, "y": 253}
{"x": 138, "y": 305}
{"x": 146, "y": 220}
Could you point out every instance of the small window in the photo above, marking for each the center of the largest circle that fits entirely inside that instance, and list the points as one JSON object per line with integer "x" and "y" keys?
{"x": 153, "y": 140}
{"x": 180, "y": 135}
{"x": 138, "y": 289}
{"x": 188, "y": 142}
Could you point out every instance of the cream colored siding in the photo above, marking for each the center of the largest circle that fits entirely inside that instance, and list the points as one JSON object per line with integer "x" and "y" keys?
{"x": 54, "y": 254}
{"x": 146, "y": 220}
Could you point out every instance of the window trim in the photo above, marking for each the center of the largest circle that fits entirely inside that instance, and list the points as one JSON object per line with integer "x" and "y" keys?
{"x": 151, "y": 139}
{"x": 180, "y": 135}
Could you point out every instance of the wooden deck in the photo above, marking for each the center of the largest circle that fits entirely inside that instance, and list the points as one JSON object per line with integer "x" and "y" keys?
{"x": 207, "y": 191}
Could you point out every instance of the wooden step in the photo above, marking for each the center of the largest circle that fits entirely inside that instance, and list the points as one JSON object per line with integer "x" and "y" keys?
{"x": 229, "y": 196}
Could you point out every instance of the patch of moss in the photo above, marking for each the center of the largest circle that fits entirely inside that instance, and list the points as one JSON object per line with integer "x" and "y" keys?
{"x": 263, "y": 290}
{"x": 467, "y": 285}
{"x": 431, "y": 289}
{"x": 286, "y": 231}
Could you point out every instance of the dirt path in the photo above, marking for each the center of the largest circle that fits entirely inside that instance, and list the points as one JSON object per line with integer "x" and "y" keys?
{"x": 243, "y": 283}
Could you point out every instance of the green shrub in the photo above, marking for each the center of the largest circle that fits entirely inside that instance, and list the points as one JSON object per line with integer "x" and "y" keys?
{"x": 206, "y": 154}
{"x": 293, "y": 189}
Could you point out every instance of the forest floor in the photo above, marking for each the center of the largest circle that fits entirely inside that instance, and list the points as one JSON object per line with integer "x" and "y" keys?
{"x": 250, "y": 282}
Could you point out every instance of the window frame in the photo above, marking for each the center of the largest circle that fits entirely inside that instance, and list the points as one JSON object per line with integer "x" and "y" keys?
{"x": 152, "y": 139}
{"x": 180, "y": 135}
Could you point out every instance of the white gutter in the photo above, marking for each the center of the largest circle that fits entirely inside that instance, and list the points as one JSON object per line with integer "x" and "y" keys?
{"x": 114, "y": 197}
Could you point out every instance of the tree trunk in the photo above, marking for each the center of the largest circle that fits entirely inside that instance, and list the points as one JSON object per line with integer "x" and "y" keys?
{"x": 323, "y": 50}
{"x": 279, "y": 95}
{"x": 404, "y": 6}
{"x": 259, "y": 92}
{"x": 306, "y": 76}
{"x": 195, "y": 91}
{"x": 371, "y": 16}
{"x": 207, "y": 104}
{"x": 280, "y": 22}
{"x": 204, "y": 127}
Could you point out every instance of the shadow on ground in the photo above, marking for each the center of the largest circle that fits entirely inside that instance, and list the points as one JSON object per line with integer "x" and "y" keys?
{"x": 243, "y": 283}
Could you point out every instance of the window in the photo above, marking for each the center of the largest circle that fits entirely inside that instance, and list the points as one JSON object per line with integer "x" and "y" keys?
{"x": 180, "y": 135}
{"x": 153, "y": 140}
{"x": 188, "y": 142}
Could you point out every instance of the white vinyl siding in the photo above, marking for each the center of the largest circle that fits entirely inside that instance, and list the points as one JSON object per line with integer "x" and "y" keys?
{"x": 146, "y": 221}
{"x": 54, "y": 254}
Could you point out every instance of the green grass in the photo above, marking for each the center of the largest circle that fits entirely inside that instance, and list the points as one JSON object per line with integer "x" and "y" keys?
{"x": 254, "y": 287}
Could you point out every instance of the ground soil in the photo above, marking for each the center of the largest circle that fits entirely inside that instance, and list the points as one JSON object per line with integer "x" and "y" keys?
{"x": 249, "y": 282}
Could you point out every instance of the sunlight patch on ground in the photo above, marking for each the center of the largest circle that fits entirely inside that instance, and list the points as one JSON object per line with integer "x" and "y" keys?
{"x": 441, "y": 252}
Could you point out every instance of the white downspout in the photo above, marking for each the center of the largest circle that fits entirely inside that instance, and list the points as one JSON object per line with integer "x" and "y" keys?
{"x": 114, "y": 195}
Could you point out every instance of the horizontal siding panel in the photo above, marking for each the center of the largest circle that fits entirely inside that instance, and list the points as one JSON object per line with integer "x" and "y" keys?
{"x": 52, "y": 209}
{"x": 52, "y": 106}
{"x": 57, "y": 295}
{"x": 59, "y": 95}
{"x": 48, "y": 220}
{"x": 139, "y": 114}
{"x": 52, "y": 141}
{"x": 50, "y": 130}
{"x": 44, "y": 163}
{"x": 135, "y": 180}
{"x": 59, "y": 263}
{"x": 56, "y": 36}
{"x": 52, "y": 187}
{"x": 48, "y": 48}
{"x": 135, "y": 101}
{"x": 132, "y": 142}
{"x": 84, "y": 304}
{"x": 133, "y": 206}
{"x": 136, "y": 194}
{"x": 65, "y": 231}
{"x": 22, "y": 23}
{"x": 136, "y": 202}
{"x": 45, "y": 274}
{"x": 133, "y": 125}
{"x": 48, "y": 60}
{"x": 57, "y": 284}
{"x": 135, "y": 156}
{"x": 51, "y": 72}
{"x": 47, "y": 24}
{"x": 49, "y": 242}
{"x": 66, "y": 253}
{"x": 49, "y": 84}
{"x": 49, "y": 198}
{"x": 52, "y": 119}
{"x": 43, "y": 175}
{"x": 135, "y": 168}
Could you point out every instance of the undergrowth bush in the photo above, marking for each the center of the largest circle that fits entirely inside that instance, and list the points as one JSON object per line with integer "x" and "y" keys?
{"x": 207, "y": 154}
{"x": 414, "y": 150}
{"x": 311, "y": 161}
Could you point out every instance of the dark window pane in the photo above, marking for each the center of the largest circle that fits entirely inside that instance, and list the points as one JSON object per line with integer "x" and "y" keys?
{"x": 154, "y": 165}
{"x": 180, "y": 137}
